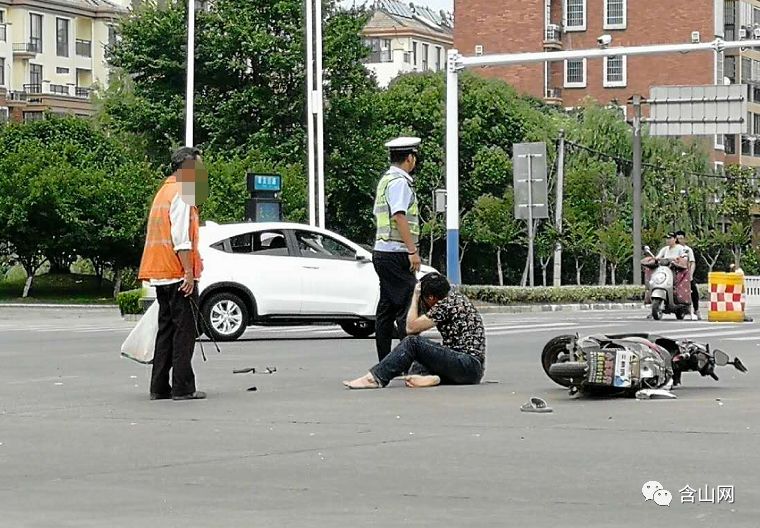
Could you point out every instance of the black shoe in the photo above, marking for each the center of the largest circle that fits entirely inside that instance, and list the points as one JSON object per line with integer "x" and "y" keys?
{"x": 197, "y": 395}
{"x": 156, "y": 396}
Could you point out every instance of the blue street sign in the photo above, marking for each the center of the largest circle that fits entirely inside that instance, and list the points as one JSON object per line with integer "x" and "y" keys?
{"x": 264, "y": 182}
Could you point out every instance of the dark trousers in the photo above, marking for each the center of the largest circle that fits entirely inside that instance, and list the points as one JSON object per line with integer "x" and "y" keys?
{"x": 397, "y": 283}
{"x": 175, "y": 342}
{"x": 426, "y": 357}
{"x": 694, "y": 295}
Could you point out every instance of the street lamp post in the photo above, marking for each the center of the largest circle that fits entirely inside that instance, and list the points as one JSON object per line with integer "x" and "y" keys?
{"x": 189, "y": 91}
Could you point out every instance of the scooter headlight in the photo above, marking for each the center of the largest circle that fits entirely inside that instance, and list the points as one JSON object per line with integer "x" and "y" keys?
{"x": 659, "y": 278}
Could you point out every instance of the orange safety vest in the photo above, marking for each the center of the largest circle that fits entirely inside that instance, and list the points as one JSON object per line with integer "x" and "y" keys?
{"x": 159, "y": 260}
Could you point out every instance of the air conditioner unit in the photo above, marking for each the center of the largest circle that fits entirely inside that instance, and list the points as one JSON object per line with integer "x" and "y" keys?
{"x": 756, "y": 33}
{"x": 479, "y": 49}
{"x": 695, "y": 37}
{"x": 742, "y": 33}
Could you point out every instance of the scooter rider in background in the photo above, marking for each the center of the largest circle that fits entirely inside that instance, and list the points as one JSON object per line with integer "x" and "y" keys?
{"x": 672, "y": 250}
{"x": 681, "y": 239}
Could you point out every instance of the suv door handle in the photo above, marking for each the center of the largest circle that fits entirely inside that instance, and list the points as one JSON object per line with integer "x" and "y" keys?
{"x": 310, "y": 267}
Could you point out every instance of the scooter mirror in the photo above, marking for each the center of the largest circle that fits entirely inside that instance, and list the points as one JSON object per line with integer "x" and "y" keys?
{"x": 721, "y": 358}
{"x": 646, "y": 248}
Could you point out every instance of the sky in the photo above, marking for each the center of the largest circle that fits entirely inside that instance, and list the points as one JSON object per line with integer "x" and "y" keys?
{"x": 436, "y": 5}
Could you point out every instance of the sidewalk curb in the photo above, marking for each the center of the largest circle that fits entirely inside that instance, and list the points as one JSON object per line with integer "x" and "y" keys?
{"x": 67, "y": 306}
{"x": 537, "y": 308}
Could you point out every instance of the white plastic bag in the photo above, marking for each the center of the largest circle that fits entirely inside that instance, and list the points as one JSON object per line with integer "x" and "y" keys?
{"x": 141, "y": 341}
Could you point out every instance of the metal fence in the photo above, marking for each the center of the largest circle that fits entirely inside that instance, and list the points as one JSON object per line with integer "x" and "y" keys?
{"x": 752, "y": 290}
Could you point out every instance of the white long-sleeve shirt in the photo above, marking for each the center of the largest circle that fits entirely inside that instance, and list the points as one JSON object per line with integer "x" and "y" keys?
{"x": 179, "y": 219}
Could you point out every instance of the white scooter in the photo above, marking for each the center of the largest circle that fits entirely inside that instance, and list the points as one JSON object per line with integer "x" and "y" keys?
{"x": 662, "y": 285}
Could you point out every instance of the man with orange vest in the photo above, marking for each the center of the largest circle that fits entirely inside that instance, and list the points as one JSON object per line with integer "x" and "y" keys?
{"x": 172, "y": 264}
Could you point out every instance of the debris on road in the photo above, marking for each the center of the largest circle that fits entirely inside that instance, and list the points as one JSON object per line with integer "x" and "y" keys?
{"x": 252, "y": 370}
{"x": 655, "y": 394}
{"x": 536, "y": 405}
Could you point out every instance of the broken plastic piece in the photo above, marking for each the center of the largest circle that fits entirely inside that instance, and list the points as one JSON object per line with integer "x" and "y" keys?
{"x": 655, "y": 394}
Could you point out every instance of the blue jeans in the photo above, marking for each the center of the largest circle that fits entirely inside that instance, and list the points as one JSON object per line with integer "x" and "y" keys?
{"x": 426, "y": 357}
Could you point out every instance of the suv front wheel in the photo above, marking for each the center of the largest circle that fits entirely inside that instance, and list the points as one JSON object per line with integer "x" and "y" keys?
{"x": 359, "y": 328}
{"x": 226, "y": 316}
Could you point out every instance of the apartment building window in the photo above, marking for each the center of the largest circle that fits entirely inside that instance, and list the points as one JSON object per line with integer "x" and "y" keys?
{"x": 615, "y": 14}
{"x": 61, "y": 71}
{"x": 575, "y": 15}
{"x": 111, "y": 36}
{"x": 4, "y": 117}
{"x": 2, "y": 71}
{"x": 35, "y": 32}
{"x": 3, "y": 31}
{"x": 746, "y": 69}
{"x": 729, "y": 19}
{"x": 719, "y": 142}
{"x": 615, "y": 73}
{"x": 33, "y": 116}
{"x": 62, "y": 37}
{"x": 425, "y": 51}
{"x": 381, "y": 50}
{"x": 729, "y": 68}
{"x": 35, "y": 78}
{"x": 438, "y": 51}
{"x": 575, "y": 73}
{"x": 414, "y": 54}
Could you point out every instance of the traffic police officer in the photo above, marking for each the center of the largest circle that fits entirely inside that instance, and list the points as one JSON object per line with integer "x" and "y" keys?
{"x": 396, "y": 256}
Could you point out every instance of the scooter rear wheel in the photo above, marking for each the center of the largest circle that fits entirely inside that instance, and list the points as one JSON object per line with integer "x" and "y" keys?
{"x": 656, "y": 309}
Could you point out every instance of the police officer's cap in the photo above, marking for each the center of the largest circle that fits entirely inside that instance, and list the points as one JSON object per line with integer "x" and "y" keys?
{"x": 403, "y": 144}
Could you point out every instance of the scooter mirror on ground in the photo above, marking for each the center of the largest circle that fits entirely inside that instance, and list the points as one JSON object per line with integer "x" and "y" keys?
{"x": 721, "y": 358}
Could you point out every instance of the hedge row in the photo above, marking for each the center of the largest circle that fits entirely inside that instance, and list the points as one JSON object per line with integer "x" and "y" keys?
{"x": 129, "y": 302}
{"x": 560, "y": 295}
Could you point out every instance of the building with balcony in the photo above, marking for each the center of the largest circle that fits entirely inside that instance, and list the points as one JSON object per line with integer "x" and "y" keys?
{"x": 554, "y": 25}
{"x": 406, "y": 38}
{"x": 52, "y": 54}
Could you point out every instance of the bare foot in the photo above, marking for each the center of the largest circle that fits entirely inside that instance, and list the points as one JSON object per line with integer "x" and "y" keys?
{"x": 417, "y": 381}
{"x": 365, "y": 382}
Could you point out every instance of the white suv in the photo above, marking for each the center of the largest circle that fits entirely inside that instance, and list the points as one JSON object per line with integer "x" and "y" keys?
{"x": 284, "y": 274}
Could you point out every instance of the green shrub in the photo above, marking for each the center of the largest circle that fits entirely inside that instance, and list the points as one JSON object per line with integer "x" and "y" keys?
{"x": 560, "y": 295}
{"x": 129, "y": 302}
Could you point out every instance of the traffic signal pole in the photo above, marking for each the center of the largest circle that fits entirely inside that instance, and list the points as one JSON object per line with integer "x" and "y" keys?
{"x": 456, "y": 63}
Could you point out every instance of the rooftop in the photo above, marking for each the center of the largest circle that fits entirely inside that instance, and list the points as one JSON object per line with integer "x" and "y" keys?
{"x": 414, "y": 16}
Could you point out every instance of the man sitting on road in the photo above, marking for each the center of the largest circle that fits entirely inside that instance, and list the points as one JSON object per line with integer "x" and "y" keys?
{"x": 459, "y": 360}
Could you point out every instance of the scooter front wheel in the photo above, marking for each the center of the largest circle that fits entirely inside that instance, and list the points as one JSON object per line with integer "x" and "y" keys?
{"x": 656, "y": 309}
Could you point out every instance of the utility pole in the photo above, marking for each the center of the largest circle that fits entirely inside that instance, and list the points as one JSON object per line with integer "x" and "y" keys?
{"x": 530, "y": 220}
{"x": 190, "y": 90}
{"x": 637, "y": 190}
{"x": 314, "y": 110}
{"x": 557, "y": 275}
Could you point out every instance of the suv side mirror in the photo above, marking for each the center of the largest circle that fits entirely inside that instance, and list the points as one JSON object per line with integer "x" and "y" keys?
{"x": 362, "y": 258}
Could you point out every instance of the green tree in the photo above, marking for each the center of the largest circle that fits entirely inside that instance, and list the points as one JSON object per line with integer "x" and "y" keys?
{"x": 494, "y": 224}
{"x": 67, "y": 189}
{"x": 616, "y": 244}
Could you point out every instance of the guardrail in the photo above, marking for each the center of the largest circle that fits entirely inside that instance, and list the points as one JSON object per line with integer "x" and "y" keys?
{"x": 752, "y": 290}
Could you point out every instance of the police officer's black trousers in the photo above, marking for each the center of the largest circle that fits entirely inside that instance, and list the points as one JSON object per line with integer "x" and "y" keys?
{"x": 397, "y": 283}
{"x": 175, "y": 342}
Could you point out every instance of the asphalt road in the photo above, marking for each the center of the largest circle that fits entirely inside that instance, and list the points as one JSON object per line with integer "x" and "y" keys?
{"x": 82, "y": 446}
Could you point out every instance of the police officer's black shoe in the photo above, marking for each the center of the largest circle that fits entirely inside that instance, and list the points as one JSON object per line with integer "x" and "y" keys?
{"x": 156, "y": 396}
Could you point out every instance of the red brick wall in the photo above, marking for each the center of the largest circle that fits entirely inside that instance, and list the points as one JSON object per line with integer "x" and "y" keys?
{"x": 517, "y": 25}
{"x": 502, "y": 26}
